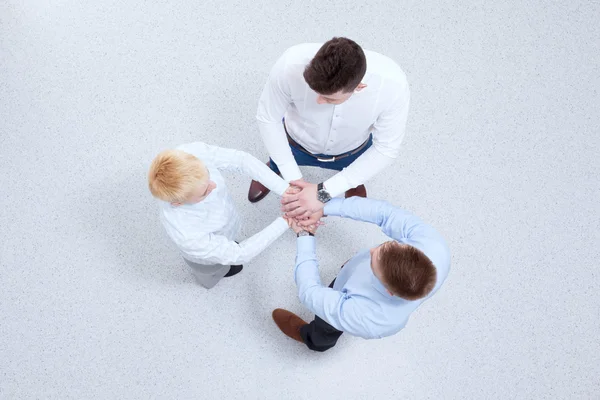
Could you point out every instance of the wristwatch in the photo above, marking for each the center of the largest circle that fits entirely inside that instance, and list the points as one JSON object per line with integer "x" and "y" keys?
{"x": 304, "y": 233}
{"x": 322, "y": 194}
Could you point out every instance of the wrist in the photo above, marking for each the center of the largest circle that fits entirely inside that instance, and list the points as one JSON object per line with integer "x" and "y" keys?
{"x": 304, "y": 233}
{"x": 322, "y": 194}
{"x": 334, "y": 207}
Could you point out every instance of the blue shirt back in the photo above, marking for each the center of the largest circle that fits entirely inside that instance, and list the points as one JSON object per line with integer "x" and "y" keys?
{"x": 359, "y": 304}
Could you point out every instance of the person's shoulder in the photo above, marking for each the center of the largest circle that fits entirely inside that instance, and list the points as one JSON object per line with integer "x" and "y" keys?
{"x": 300, "y": 54}
{"x": 201, "y": 150}
{"x": 303, "y": 50}
{"x": 431, "y": 242}
{"x": 192, "y": 147}
{"x": 437, "y": 250}
{"x": 385, "y": 67}
{"x": 293, "y": 61}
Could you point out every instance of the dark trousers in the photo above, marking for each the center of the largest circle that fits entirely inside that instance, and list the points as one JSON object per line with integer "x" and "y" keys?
{"x": 319, "y": 335}
{"x": 310, "y": 161}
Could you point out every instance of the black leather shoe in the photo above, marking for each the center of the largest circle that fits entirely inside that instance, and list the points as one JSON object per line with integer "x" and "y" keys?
{"x": 234, "y": 269}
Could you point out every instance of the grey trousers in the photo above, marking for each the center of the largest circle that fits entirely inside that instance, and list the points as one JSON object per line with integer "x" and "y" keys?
{"x": 208, "y": 275}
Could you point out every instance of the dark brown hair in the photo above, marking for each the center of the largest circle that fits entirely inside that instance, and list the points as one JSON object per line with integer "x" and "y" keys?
{"x": 340, "y": 64}
{"x": 407, "y": 271}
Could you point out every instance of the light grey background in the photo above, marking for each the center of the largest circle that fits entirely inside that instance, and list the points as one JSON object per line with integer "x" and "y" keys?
{"x": 501, "y": 155}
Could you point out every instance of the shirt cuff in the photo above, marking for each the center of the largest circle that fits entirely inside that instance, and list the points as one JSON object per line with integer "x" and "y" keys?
{"x": 333, "y": 207}
{"x": 336, "y": 185}
{"x": 290, "y": 172}
{"x": 282, "y": 186}
{"x": 306, "y": 244}
{"x": 281, "y": 224}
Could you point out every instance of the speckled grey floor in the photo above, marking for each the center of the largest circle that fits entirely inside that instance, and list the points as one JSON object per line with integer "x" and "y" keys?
{"x": 501, "y": 154}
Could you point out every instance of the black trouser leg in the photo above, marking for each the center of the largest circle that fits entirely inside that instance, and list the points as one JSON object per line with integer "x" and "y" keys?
{"x": 319, "y": 335}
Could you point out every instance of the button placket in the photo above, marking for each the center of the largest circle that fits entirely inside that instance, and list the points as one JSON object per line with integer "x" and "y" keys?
{"x": 333, "y": 130}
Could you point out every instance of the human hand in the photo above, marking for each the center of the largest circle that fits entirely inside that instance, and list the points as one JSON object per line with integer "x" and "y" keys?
{"x": 311, "y": 228}
{"x": 293, "y": 224}
{"x": 303, "y": 204}
{"x": 313, "y": 219}
{"x": 292, "y": 190}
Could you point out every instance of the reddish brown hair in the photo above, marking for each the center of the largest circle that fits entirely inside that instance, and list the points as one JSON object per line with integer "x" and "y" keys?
{"x": 407, "y": 271}
{"x": 340, "y": 64}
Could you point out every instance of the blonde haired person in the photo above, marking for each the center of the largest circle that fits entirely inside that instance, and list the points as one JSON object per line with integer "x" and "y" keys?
{"x": 198, "y": 212}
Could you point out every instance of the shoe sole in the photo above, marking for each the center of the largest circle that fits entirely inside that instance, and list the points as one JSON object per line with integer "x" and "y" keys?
{"x": 259, "y": 198}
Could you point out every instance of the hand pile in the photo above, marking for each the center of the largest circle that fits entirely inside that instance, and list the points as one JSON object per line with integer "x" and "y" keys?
{"x": 301, "y": 207}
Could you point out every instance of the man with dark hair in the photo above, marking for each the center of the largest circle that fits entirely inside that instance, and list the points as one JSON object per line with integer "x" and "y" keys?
{"x": 342, "y": 108}
{"x": 339, "y": 66}
{"x": 376, "y": 291}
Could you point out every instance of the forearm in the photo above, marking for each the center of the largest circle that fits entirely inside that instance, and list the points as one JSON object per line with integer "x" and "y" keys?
{"x": 307, "y": 276}
{"x": 318, "y": 298}
{"x": 275, "y": 140}
{"x": 220, "y": 250}
{"x": 257, "y": 243}
{"x": 258, "y": 171}
{"x": 359, "y": 209}
{"x": 361, "y": 170}
{"x": 306, "y": 273}
{"x": 394, "y": 221}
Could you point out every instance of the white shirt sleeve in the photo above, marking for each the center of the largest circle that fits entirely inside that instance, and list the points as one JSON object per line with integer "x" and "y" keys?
{"x": 388, "y": 133}
{"x": 217, "y": 249}
{"x": 238, "y": 161}
{"x": 361, "y": 170}
{"x": 274, "y": 101}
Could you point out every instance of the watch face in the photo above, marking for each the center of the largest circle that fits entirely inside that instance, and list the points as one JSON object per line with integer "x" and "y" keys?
{"x": 323, "y": 196}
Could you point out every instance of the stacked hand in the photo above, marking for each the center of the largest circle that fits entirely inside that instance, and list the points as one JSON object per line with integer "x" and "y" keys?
{"x": 297, "y": 228}
{"x": 302, "y": 210}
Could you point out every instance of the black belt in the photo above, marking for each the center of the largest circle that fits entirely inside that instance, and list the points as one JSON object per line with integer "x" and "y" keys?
{"x": 294, "y": 144}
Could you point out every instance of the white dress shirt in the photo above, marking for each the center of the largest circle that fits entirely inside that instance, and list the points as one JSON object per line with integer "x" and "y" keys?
{"x": 380, "y": 108}
{"x": 205, "y": 232}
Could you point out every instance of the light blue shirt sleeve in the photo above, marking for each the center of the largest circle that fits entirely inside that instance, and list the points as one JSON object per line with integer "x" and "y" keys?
{"x": 399, "y": 224}
{"x": 345, "y": 312}
{"x": 339, "y": 310}
{"x": 394, "y": 222}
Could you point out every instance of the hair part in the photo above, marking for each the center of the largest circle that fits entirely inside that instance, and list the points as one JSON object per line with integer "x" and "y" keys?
{"x": 339, "y": 65}
{"x": 174, "y": 174}
{"x": 407, "y": 272}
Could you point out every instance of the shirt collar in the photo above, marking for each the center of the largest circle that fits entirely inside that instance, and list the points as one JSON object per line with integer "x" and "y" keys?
{"x": 379, "y": 286}
{"x": 376, "y": 283}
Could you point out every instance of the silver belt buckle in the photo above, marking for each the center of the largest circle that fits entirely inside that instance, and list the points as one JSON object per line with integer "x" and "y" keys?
{"x": 332, "y": 159}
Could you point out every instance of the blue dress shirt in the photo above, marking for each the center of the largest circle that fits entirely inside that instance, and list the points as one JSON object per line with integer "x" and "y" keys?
{"x": 358, "y": 303}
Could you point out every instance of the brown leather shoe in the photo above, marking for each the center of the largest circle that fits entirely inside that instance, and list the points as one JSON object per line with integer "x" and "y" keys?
{"x": 359, "y": 191}
{"x": 257, "y": 191}
{"x": 289, "y": 323}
